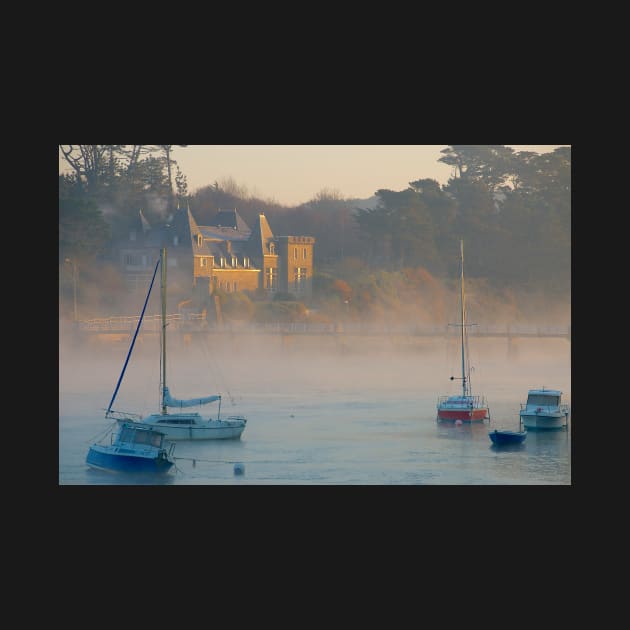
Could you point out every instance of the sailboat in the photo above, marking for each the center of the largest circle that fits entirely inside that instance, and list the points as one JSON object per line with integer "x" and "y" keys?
{"x": 182, "y": 425}
{"x": 465, "y": 407}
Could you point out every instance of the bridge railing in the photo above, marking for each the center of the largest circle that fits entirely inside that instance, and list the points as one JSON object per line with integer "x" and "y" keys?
{"x": 150, "y": 323}
{"x": 196, "y": 322}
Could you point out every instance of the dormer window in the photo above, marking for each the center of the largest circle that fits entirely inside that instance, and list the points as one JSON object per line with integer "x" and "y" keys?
{"x": 234, "y": 261}
{"x": 199, "y": 240}
{"x": 245, "y": 262}
{"x": 222, "y": 261}
{"x": 176, "y": 240}
{"x": 272, "y": 248}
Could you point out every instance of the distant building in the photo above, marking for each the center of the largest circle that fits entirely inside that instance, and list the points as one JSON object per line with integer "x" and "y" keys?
{"x": 226, "y": 255}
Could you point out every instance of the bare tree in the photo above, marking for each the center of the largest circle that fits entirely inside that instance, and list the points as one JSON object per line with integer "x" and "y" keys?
{"x": 168, "y": 148}
{"x": 133, "y": 155}
{"x": 87, "y": 162}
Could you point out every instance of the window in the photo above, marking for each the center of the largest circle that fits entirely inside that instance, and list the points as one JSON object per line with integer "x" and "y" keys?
{"x": 199, "y": 240}
{"x": 222, "y": 261}
{"x": 271, "y": 279}
{"x": 202, "y": 261}
{"x": 235, "y": 285}
{"x": 143, "y": 437}
{"x": 234, "y": 261}
{"x": 304, "y": 254}
{"x": 543, "y": 399}
{"x": 299, "y": 277}
{"x": 127, "y": 435}
{"x": 295, "y": 254}
{"x": 272, "y": 248}
{"x": 132, "y": 260}
{"x": 132, "y": 235}
{"x": 176, "y": 240}
{"x": 246, "y": 262}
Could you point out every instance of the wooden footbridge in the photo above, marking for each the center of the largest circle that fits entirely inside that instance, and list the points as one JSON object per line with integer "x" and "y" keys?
{"x": 193, "y": 323}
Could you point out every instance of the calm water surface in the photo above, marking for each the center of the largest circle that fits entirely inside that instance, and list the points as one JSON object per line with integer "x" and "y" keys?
{"x": 321, "y": 414}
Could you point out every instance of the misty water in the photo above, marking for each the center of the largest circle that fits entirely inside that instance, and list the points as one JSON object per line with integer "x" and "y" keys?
{"x": 322, "y": 410}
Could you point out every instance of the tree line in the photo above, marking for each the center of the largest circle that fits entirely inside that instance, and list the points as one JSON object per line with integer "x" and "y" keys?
{"x": 513, "y": 210}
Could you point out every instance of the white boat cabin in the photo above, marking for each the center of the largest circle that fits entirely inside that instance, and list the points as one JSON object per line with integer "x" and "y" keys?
{"x": 543, "y": 398}
{"x": 185, "y": 419}
{"x": 140, "y": 435}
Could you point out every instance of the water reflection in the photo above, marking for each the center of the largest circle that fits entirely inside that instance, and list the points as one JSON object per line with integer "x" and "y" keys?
{"x": 548, "y": 441}
{"x": 508, "y": 447}
{"x": 101, "y": 477}
{"x": 461, "y": 431}
{"x": 547, "y": 436}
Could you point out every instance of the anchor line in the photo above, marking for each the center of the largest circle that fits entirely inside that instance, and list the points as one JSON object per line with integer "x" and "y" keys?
{"x": 102, "y": 434}
{"x": 239, "y": 461}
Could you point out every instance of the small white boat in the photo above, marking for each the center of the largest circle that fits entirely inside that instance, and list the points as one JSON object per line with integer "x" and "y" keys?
{"x": 179, "y": 425}
{"x": 544, "y": 410}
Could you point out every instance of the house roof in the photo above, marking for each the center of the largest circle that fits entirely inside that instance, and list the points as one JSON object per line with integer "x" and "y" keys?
{"x": 223, "y": 233}
{"x": 235, "y": 238}
{"x": 230, "y": 219}
{"x": 193, "y": 231}
{"x": 229, "y": 250}
{"x": 227, "y": 225}
{"x": 260, "y": 238}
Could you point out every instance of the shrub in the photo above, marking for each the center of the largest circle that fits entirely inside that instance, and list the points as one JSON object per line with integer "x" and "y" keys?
{"x": 284, "y": 296}
{"x": 237, "y": 306}
{"x": 277, "y": 311}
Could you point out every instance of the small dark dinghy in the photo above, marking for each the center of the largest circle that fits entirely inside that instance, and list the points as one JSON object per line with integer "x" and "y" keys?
{"x": 503, "y": 436}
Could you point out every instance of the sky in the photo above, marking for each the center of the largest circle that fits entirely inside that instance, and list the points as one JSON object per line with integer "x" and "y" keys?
{"x": 294, "y": 174}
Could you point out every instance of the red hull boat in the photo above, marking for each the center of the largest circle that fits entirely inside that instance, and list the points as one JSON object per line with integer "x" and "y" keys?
{"x": 465, "y": 407}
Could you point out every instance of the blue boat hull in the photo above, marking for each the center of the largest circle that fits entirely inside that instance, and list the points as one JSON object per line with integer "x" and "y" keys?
{"x": 507, "y": 437}
{"x": 105, "y": 459}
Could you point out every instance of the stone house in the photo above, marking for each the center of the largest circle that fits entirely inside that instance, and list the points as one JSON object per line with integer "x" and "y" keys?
{"x": 227, "y": 255}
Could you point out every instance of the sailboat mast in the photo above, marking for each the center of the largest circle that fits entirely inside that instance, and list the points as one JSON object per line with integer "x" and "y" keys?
{"x": 163, "y": 294}
{"x": 464, "y": 382}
